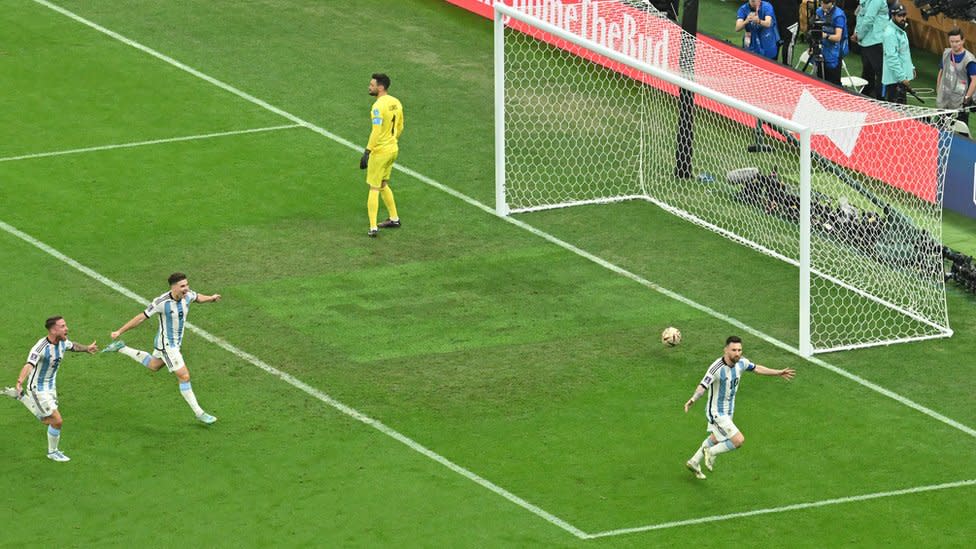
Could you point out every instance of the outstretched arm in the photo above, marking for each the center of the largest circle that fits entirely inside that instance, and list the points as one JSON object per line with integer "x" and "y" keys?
{"x": 79, "y": 348}
{"x": 207, "y": 298}
{"x": 136, "y": 320}
{"x": 785, "y": 373}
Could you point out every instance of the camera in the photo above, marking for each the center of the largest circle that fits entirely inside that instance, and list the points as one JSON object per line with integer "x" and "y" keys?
{"x": 953, "y": 9}
{"x": 816, "y": 30}
{"x": 961, "y": 269}
{"x": 815, "y": 36}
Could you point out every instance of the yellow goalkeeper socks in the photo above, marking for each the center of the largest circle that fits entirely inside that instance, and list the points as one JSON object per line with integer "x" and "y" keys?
{"x": 387, "y": 193}
{"x": 373, "y": 207}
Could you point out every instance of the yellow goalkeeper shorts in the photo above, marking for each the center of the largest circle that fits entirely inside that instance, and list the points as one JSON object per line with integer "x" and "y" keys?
{"x": 379, "y": 168}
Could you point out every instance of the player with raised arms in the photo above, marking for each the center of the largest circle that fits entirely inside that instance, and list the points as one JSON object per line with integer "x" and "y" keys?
{"x": 171, "y": 309}
{"x": 41, "y": 372}
{"x": 722, "y": 382}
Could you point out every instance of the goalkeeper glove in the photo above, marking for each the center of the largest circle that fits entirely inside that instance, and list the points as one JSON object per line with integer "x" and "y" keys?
{"x": 364, "y": 161}
{"x": 968, "y": 101}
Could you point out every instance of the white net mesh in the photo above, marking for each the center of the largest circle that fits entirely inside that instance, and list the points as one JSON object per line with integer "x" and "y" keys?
{"x": 583, "y": 128}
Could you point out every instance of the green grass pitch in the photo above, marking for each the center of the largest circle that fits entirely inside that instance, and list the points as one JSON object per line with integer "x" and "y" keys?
{"x": 521, "y": 363}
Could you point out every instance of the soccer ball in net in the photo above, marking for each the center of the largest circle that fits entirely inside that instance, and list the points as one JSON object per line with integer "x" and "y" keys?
{"x": 671, "y": 336}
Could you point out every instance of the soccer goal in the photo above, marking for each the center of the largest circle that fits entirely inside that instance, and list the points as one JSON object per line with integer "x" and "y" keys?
{"x": 605, "y": 101}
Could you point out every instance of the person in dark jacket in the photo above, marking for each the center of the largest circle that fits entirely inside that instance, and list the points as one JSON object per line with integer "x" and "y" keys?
{"x": 787, "y": 13}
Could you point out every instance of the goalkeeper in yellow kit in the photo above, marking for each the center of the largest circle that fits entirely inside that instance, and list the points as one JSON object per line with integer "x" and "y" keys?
{"x": 381, "y": 151}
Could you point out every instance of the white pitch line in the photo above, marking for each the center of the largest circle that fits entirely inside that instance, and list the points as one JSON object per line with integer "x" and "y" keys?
{"x": 205, "y": 77}
{"x": 614, "y": 268}
{"x": 489, "y": 210}
{"x": 144, "y": 143}
{"x": 785, "y": 508}
{"x": 306, "y": 388}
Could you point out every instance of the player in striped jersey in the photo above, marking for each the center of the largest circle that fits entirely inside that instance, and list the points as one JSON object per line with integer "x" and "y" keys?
{"x": 722, "y": 382}
{"x": 41, "y": 372}
{"x": 171, "y": 309}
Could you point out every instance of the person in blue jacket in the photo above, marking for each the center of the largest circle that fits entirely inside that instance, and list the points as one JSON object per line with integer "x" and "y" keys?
{"x": 834, "y": 45}
{"x": 757, "y": 19}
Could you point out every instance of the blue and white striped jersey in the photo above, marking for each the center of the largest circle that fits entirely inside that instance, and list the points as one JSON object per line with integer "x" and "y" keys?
{"x": 172, "y": 318}
{"x": 722, "y": 382}
{"x": 46, "y": 358}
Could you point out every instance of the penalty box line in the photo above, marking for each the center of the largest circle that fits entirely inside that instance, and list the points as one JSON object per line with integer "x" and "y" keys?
{"x": 785, "y": 508}
{"x": 150, "y": 142}
{"x": 518, "y": 223}
{"x": 304, "y": 387}
{"x": 561, "y": 243}
{"x": 363, "y": 418}
{"x": 538, "y": 511}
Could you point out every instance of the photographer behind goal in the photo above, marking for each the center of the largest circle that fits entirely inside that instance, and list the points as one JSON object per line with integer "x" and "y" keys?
{"x": 828, "y": 30}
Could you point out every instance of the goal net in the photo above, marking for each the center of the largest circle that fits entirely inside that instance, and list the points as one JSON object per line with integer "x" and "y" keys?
{"x": 605, "y": 101}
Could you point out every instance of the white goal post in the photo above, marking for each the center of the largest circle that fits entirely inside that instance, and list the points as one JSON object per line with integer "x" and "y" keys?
{"x": 864, "y": 234}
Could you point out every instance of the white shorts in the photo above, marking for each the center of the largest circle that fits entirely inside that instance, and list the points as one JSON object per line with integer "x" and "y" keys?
{"x": 40, "y": 403}
{"x": 723, "y": 428}
{"x": 172, "y": 357}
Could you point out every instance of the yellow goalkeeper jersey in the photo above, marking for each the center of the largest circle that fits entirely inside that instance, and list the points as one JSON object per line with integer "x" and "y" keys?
{"x": 387, "y": 119}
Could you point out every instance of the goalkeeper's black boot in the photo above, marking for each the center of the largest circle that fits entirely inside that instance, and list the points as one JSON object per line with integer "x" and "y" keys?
{"x": 390, "y": 224}
{"x": 372, "y": 233}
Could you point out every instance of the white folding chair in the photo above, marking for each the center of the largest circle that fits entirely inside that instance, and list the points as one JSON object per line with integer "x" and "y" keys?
{"x": 803, "y": 60}
{"x": 960, "y": 127}
{"x": 855, "y": 83}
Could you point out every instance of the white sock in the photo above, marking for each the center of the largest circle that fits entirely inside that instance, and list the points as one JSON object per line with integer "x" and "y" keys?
{"x": 53, "y": 436}
{"x": 187, "y": 391}
{"x": 142, "y": 357}
{"x": 707, "y": 443}
{"x": 722, "y": 447}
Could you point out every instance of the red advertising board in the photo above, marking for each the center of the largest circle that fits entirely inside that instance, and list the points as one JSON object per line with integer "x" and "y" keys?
{"x": 870, "y": 137}
{"x": 481, "y": 7}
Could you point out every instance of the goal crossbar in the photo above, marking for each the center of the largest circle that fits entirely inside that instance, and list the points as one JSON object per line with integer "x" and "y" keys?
{"x": 502, "y": 11}
{"x": 796, "y": 133}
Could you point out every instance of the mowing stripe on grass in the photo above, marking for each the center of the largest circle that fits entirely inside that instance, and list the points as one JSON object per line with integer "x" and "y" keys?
{"x": 205, "y": 77}
{"x": 746, "y": 328}
{"x": 301, "y": 385}
{"x": 795, "y": 507}
{"x": 152, "y": 142}
{"x": 417, "y": 447}
{"x": 491, "y": 211}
